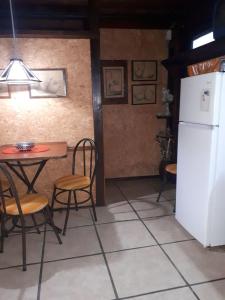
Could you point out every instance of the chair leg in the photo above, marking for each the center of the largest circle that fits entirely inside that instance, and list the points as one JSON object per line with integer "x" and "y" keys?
{"x": 53, "y": 201}
{"x": 75, "y": 200}
{"x": 67, "y": 213}
{"x": 174, "y": 207}
{"x": 35, "y": 224}
{"x": 93, "y": 207}
{"x": 24, "y": 245}
{"x": 51, "y": 222}
{"x": 10, "y": 192}
{"x": 2, "y": 234}
{"x": 163, "y": 183}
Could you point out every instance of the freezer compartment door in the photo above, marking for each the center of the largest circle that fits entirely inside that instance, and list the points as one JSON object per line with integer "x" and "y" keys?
{"x": 195, "y": 177}
{"x": 200, "y": 99}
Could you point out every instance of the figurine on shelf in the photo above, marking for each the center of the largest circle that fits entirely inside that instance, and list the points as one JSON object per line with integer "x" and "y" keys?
{"x": 167, "y": 98}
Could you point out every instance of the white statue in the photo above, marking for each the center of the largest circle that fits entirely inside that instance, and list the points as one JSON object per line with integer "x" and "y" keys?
{"x": 167, "y": 98}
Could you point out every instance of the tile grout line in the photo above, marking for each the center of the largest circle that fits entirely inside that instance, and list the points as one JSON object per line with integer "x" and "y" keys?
{"x": 73, "y": 257}
{"x": 169, "y": 289}
{"x": 153, "y": 292}
{"x": 208, "y": 281}
{"x": 94, "y": 254}
{"x": 176, "y": 268}
{"x": 42, "y": 265}
{"x": 105, "y": 259}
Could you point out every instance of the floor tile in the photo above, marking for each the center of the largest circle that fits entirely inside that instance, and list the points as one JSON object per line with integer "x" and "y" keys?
{"x": 112, "y": 193}
{"x": 169, "y": 194}
{"x": 197, "y": 264}
{"x": 134, "y": 189}
{"x": 142, "y": 270}
{"x": 78, "y": 241}
{"x": 124, "y": 235}
{"x": 157, "y": 210}
{"x": 167, "y": 229}
{"x": 213, "y": 290}
{"x": 115, "y": 212}
{"x": 145, "y": 202}
{"x": 12, "y": 255}
{"x": 18, "y": 285}
{"x": 82, "y": 278}
{"x": 76, "y": 218}
{"x": 177, "y": 294}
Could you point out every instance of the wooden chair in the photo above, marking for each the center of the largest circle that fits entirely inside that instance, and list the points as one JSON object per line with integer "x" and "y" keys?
{"x": 169, "y": 169}
{"x": 78, "y": 182}
{"x": 19, "y": 208}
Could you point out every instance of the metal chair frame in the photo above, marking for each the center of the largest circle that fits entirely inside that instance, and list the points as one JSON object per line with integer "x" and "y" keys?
{"x": 3, "y": 216}
{"x": 89, "y": 170}
{"x": 164, "y": 182}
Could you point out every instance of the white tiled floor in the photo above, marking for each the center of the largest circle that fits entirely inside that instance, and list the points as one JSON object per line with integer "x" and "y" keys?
{"x": 136, "y": 250}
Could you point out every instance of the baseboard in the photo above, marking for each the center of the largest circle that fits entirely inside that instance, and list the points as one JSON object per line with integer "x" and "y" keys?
{"x": 132, "y": 178}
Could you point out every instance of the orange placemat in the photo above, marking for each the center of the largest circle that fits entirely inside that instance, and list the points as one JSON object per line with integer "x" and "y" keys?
{"x": 35, "y": 149}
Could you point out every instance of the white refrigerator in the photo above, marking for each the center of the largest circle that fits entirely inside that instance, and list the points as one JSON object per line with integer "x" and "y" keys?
{"x": 200, "y": 192}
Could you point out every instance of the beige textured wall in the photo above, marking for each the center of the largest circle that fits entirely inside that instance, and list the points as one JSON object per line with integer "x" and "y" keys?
{"x": 57, "y": 119}
{"x": 130, "y": 130}
{"x": 70, "y": 118}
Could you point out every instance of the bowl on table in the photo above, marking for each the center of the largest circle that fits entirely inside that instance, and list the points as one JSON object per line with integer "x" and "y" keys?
{"x": 25, "y": 146}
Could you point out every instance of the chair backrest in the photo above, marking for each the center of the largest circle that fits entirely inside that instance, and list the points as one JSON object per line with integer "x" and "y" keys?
{"x": 89, "y": 157}
{"x": 4, "y": 173}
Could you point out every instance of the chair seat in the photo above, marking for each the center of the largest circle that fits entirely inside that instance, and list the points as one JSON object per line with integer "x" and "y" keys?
{"x": 72, "y": 182}
{"x": 171, "y": 168}
{"x": 30, "y": 204}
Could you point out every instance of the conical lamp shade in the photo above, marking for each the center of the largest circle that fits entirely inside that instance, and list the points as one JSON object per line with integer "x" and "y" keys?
{"x": 17, "y": 73}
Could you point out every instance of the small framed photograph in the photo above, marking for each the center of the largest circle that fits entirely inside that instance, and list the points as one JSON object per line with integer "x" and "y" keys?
{"x": 4, "y": 89}
{"x": 52, "y": 85}
{"x": 144, "y": 94}
{"x": 144, "y": 70}
{"x": 114, "y": 82}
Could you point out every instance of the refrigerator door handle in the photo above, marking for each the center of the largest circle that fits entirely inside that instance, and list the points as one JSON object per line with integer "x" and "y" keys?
{"x": 198, "y": 124}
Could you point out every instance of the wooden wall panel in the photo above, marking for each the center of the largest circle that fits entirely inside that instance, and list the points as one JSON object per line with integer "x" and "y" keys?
{"x": 53, "y": 119}
{"x": 130, "y": 130}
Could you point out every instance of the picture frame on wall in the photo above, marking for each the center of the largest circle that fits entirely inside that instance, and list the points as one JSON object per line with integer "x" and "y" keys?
{"x": 114, "y": 81}
{"x": 144, "y": 70}
{"x": 143, "y": 94}
{"x": 4, "y": 89}
{"x": 53, "y": 84}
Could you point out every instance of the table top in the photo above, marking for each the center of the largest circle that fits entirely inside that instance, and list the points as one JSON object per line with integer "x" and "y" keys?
{"x": 56, "y": 150}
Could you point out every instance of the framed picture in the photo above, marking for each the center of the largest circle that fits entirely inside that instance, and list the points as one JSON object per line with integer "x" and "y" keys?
{"x": 4, "y": 89}
{"x": 144, "y": 70}
{"x": 52, "y": 85}
{"x": 144, "y": 94}
{"x": 114, "y": 82}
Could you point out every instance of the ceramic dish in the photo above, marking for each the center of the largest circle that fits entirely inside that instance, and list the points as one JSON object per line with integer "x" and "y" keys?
{"x": 24, "y": 146}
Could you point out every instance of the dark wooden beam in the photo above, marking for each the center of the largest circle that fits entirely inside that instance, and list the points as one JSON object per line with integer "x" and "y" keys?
{"x": 140, "y": 21}
{"x": 97, "y": 102}
{"x": 63, "y": 34}
{"x": 211, "y": 50}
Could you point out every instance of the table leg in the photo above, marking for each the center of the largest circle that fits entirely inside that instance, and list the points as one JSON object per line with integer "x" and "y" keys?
{"x": 23, "y": 176}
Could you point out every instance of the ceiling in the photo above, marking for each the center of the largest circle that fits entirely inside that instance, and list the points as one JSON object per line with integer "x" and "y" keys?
{"x": 74, "y": 15}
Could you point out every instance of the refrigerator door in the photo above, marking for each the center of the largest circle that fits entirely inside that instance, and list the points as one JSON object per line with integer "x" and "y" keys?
{"x": 195, "y": 177}
{"x": 200, "y": 99}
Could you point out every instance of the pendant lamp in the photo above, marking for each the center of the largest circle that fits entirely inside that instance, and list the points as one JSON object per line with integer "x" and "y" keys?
{"x": 17, "y": 72}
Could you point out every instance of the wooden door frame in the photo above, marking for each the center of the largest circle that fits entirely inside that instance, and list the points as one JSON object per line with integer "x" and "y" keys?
{"x": 96, "y": 98}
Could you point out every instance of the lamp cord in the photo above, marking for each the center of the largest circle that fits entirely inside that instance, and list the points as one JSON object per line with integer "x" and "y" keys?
{"x": 13, "y": 29}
